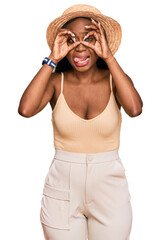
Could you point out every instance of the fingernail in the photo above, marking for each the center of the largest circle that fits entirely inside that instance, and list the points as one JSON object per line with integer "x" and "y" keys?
{"x": 73, "y": 34}
{"x": 74, "y": 40}
{"x": 86, "y": 26}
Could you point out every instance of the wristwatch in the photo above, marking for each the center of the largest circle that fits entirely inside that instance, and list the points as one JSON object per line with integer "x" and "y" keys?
{"x": 49, "y": 62}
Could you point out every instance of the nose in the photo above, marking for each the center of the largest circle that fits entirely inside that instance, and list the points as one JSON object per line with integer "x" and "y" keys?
{"x": 80, "y": 47}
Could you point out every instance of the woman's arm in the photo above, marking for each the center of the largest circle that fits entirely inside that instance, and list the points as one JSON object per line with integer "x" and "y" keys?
{"x": 41, "y": 89}
{"x": 38, "y": 93}
{"x": 125, "y": 91}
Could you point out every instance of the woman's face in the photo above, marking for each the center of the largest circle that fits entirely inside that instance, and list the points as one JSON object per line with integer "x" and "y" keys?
{"x": 81, "y": 58}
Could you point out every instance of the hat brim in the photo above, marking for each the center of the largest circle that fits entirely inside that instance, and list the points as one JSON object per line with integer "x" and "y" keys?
{"x": 111, "y": 27}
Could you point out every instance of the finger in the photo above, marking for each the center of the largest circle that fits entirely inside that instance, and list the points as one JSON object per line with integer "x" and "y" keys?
{"x": 95, "y": 23}
{"x": 98, "y": 25}
{"x": 66, "y": 36}
{"x": 66, "y": 32}
{"x": 96, "y": 35}
{"x": 65, "y": 29}
{"x": 101, "y": 29}
{"x": 91, "y": 27}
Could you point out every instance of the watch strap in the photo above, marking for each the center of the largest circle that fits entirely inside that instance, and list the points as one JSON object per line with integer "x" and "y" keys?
{"x": 49, "y": 62}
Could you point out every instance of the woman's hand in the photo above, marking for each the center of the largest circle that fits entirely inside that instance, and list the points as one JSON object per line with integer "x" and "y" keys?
{"x": 100, "y": 46}
{"x": 60, "y": 46}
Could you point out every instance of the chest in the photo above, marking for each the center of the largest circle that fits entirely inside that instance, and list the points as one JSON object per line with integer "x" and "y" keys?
{"x": 87, "y": 102}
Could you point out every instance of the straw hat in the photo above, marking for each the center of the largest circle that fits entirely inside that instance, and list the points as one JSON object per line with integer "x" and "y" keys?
{"x": 111, "y": 27}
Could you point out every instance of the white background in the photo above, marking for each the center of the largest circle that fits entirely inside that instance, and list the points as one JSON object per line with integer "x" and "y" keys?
{"x": 27, "y": 143}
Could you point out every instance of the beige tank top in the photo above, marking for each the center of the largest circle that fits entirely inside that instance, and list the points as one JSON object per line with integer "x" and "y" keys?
{"x": 75, "y": 134}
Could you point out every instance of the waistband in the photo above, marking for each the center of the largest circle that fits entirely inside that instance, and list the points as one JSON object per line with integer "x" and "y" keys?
{"x": 86, "y": 157}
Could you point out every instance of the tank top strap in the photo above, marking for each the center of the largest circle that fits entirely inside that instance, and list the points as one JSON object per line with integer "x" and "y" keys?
{"x": 62, "y": 81}
{"x": 111, "y": 82}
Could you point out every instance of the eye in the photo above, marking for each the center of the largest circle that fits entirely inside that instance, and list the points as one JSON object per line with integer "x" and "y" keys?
{"x": 89, "y": 39}
{"x": 70, "y": 40}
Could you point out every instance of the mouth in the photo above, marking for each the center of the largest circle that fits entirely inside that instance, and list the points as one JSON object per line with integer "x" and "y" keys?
{"x": 81, "y": 61}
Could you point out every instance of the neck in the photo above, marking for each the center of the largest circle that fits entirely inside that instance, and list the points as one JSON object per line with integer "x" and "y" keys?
{"x": 86, "y": 76}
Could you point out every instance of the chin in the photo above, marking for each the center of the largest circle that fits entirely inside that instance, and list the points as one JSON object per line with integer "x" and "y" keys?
{"x": 81, "y": 69}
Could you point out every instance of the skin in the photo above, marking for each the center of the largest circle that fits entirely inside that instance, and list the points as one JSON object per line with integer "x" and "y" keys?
{"x": 82, "y": 37}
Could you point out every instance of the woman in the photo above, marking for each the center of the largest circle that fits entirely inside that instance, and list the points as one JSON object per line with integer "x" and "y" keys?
{"x": 86, "y": 190}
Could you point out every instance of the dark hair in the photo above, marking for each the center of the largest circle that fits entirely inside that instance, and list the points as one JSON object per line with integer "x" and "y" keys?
{"x": 64, "y": 64}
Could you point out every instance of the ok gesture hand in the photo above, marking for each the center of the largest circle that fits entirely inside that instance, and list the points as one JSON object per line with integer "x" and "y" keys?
{"x": 60, "y": 46}
{"x": 100, "y": 46}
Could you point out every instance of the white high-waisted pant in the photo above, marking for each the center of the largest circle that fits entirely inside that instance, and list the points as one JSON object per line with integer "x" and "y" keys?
{"x": 86, "y": 196}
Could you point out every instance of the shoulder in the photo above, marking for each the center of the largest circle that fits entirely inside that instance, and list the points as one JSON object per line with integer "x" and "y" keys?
{"x": 107, "y": 75}
{"x": 104, "y": 74}
{"x": 55, "y": 78}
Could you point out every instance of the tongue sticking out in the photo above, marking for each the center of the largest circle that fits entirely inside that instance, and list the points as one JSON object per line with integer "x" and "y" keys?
{"x": 80, "y": 59}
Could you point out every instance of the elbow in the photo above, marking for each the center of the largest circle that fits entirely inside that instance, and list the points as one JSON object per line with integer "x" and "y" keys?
{"x": 24, "y": 113}
{"x": 136, "y": 111}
